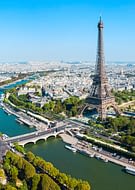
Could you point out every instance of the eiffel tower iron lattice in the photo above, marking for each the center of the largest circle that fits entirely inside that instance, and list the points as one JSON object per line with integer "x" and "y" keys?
{"x": 100, "y": 96}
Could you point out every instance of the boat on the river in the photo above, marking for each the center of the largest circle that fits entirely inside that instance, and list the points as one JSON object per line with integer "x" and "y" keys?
{"x": 130, "y": 170}
{"x": 86, "y": 153}
{"x": 70, "y": 148}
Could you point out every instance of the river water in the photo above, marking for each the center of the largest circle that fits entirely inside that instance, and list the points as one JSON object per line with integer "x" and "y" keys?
{"x": 102, "y": 176}
{"x": 8, "y": 123}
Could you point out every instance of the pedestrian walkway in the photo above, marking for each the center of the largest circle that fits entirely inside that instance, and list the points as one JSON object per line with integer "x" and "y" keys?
{"x": 68, "y": 139}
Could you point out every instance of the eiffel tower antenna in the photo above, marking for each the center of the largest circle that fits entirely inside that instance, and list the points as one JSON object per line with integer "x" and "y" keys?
{"x": 100, "y": 17}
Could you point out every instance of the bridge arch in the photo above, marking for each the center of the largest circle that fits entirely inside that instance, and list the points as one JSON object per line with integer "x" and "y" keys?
{"x": 42, "y": 139}
{"x": 52, "y": 135}
{"x": 26, "y": 143}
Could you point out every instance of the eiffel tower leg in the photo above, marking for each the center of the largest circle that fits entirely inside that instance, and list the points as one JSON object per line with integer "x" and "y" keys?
{"x": 117, "y": 110}
{"x": 102, "y": 112}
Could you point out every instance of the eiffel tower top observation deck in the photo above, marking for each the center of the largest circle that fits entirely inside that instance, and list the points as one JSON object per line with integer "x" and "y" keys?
{"x": 100, "y": 96}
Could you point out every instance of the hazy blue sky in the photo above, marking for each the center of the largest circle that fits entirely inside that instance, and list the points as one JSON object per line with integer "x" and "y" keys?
{"x": 66, "y": 29}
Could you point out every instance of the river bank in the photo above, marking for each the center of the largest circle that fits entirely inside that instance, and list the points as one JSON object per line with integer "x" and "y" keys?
{"x": 10, "y": 82}
{"x": 25, "y": 118}
{"x": 90, "y": 150}
{"x": 8, "y": 123}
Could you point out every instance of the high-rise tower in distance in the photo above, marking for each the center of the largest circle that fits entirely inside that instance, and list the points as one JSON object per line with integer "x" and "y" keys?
{"x": 100, "y": 96}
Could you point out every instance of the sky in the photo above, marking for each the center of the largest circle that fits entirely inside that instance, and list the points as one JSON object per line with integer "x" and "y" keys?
{"x": 49, "y": 30}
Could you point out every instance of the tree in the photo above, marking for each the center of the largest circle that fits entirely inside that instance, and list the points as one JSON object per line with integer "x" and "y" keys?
{"x": 9, "y": 187}
{"x": 83, "y": 185}
{"x": 20, "y": 163}
{"x": 62, "y": 178}
{"x": 53, "y": 172}
{"x": 30, "y": 156}
{"x": 19, "y": 148}
{"x": 14, "y": 173}
{"x": 47, "y": 183}
{"x": 24, "y": 186}
{"x": 29, "y": 170}
{"x": 6, "y": 167}
{"x": 35, "y": 182}
{"x": 133, "y": 148}
{"x": 58, "y": 107}
{"x": 72, "y": 182}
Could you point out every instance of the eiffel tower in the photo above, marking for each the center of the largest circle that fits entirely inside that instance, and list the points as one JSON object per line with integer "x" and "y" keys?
{"x": 100, "y": 96}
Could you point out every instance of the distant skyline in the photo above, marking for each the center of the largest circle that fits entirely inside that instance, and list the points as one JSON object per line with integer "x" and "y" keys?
{"x": 49, "y": 30}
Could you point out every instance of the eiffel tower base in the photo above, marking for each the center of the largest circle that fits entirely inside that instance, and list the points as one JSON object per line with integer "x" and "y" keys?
{"x": 101, "y": 106}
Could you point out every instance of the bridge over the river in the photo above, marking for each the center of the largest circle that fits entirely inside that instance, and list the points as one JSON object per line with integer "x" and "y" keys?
{"x": 38, "y": 135}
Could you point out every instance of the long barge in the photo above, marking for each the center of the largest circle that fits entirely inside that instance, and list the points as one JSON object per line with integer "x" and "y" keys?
{"x": 86, "y": 153}
{"x": 70, "y": 148}
{"x": 130, "y": 170}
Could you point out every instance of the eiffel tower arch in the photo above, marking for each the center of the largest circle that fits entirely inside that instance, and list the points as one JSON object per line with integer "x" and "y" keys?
{"x": 100, "y": 96}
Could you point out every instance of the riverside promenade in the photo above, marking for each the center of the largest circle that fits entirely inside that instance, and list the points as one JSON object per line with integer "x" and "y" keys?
{"x": 89, "y": 150}
{"x": 23, "y": 117}
{"x": 68, "y": 139}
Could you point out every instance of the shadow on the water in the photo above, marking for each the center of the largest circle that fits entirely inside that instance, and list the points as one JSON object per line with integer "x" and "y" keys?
{"x": 123, "y": 170}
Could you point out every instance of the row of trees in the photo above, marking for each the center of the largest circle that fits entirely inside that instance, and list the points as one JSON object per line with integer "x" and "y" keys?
{"x": 61, "y": 178}
{"x": 18, "y": 168}
{"x": 34, "y": 173}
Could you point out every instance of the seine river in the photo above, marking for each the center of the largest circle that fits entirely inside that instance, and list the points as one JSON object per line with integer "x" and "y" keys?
{"x": 102, "y": 176}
